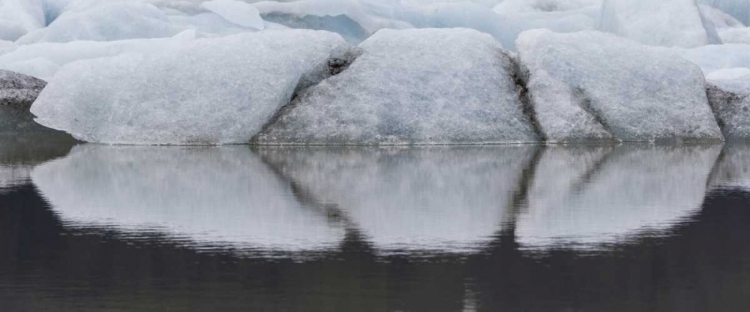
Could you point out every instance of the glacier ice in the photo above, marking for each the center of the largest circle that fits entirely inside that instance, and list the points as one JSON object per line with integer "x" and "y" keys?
{"x": 213, "y": 91}
{"x": 718, "y": 57}
{"x": 661, "y": 23}
{"x": 718, "y": 18}
{"x": 105, "y": 22}
{"x": 740, "y": 9}
{"x": 412, "y": 86}
{"x": 619, "y": 90}
{"x": 222, "y": 196}
{"x": 583, "y": 197}
{"x": 43, "y": 60}
{"x": 557, "y": 15}
{"x": 237, "y": 12}
{"x": 730, "y": 100}
{"x": 18, "y": 17}
{"x": 450, "y": 199}
{"x": 735, "y": 35}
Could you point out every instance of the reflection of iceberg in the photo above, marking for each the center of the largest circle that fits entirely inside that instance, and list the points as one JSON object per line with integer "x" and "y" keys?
{"x": 593, "y": 196}
{"x": 20, "y": 152}
{"x": 440, "y": 198}
{"x": 224, "y": 195}
{"x": 733, "y": 168}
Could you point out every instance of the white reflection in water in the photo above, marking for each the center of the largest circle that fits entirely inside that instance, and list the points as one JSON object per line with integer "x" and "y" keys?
{"x": 446, "y": 199}
{"x": 733, "y": 169}
{"x": 442, "y": 198}
{"x": 584, "y": 196}
{"x": 221, "y": 194}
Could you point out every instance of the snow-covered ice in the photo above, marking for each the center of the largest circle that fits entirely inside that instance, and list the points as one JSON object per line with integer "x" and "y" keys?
{"x": 208, "y": 195}
{"x": 661, "y": 23}
{"x": 412, "y": 87}
{"x": 213, "y": 91}
{"x": 584, "y": 197}
{"x": 620, "y": 89}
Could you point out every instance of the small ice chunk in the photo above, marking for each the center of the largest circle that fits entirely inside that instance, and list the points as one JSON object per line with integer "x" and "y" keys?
{"x": 237, "y": 12}
{"x": 417, "y": 86}
{"x": 730, "y": 100}
{"x": 620, "y": 89}
{"x": 213, "y": 91}
{"x": 18, "y": 90}
{"x": 660, "y": 23}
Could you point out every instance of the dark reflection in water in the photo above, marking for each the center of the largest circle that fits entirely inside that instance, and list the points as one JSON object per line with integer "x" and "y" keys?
{"x": 508, "y": 228}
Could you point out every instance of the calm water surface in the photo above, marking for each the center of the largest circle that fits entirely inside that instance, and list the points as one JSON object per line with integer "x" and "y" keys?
{"x": 503, "y": 228}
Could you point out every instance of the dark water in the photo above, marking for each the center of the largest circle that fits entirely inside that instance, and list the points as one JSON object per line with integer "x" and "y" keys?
{"x": 506, "y": 228}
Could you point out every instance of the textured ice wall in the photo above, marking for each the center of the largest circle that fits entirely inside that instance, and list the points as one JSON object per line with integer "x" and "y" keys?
{"x": 213, "y": 91}
{"x": 411, "y": 87}
{"x": 662, "y": 23}
{"x": 619, "y": 90}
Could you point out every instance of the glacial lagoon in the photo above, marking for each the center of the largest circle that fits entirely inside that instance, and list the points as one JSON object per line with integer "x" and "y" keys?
{"x": 623, "y": 227}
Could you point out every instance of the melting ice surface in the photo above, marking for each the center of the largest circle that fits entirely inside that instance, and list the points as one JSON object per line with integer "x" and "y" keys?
{"x": 396, "y": 199}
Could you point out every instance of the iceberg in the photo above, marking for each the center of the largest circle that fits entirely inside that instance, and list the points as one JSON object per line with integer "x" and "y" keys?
{"x": 584, "y": 197}
{"x": 18, "y": 90}
{"x": 417, "y": 86}
{"x": 620, "y": 90}
{"x": 237, "y": 12}
{"x": 105, "y": 22}
{"x": 43, "y": 60}
{"x": 216, "y": 196}
{"x": 730, "y": 100}
{"x": 18, "y": 17}
{"x": 661, "y": 23}
{"x": 213, "y": 91}
{"x": 739, "y": 9}
{"x": 448, "y": 199}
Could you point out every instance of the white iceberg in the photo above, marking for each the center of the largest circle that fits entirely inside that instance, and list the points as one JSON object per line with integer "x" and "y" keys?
{"x": 739, "y": 9}
{"x": 18, "y": 17}
{"x": 619, "y": 90}
{"x": 418, "y": 86}
{"x": 221, "y": 196}
{"x": 660, "y": 23}
{"x": 43, "y": 60}
{"x": 237, "y": 12}
{"x": 213, "y": 91}
{"x": 105, "y": 22}
{"x": 586, "y": 197}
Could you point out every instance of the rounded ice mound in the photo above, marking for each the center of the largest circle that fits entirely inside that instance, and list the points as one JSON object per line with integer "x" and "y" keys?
{"x": 418, "y": 86}
{"x": 595, "y": 86}
{"x": 660, "y": 23}
{"x": 213, "y": 91}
